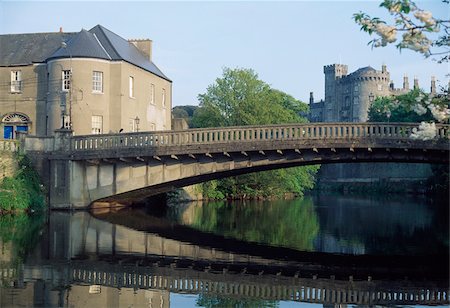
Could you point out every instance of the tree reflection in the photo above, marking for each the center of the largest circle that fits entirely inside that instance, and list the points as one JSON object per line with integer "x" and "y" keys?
{"x": 206, "y": 300}
{"x": 292, "y": 224}
{"x": 19, "y": 234}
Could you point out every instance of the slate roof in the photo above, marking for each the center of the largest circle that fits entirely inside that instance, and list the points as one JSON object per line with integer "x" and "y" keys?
{"x": 363, "y": 70}
{"x": 99, "y": 42}
{"x": 25, "y": 49}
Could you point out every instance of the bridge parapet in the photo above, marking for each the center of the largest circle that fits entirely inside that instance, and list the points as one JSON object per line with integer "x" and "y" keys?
{"x": 249, "y": 134}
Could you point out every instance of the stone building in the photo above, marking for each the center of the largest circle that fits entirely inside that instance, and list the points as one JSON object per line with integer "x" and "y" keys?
{"x": 90, "y": 81}
{"x": 348, "y": 96}
{"x": 347, "y": 99}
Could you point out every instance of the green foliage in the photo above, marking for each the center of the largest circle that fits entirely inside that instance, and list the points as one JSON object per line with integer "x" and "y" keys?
{"x": 292, "y": 224}
{"x": 240, "y": 98}
{"x": 206, "y": 300}
{"x": 23, "y": 191}
{"x": 401, "y": 108}
{"x": 184, "y": 112}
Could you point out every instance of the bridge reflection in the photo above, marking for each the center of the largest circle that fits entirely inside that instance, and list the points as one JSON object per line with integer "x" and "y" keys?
{"x": 86, "y": 261}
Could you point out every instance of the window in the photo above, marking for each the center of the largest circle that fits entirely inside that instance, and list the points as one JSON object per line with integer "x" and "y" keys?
{"x": 164, "y": 97}
{"x": 16, "y": 81}
{"x": 131, "y": 86}
{"x": 65, "y": 80}
{"x": 152, "y": 94}
{"x": 97, "y": 82}
{"x": 132, "y": 124}
{"x": 380, "y": 87}
{"x": 97, "y": 124}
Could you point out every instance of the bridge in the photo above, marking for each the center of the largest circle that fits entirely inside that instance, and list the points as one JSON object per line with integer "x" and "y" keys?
{"x": 87, "y": 168}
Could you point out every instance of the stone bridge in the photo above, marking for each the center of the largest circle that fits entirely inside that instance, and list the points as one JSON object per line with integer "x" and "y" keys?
{"x": 87, "y": 168}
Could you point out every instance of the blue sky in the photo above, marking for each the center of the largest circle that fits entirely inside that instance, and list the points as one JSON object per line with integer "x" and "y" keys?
{"x": 286, "y": 43}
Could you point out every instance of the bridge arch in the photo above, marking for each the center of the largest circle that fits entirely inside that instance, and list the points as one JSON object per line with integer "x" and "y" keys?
{"x": 98, "y": 166}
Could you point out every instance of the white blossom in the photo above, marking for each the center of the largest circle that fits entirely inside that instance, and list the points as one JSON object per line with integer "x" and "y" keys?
{"x": 395, "y": 8}
{"x": 426, "y": 17}
{"x": 388, "y": 33}
{"x": 419, "y": 109}
{"x": 417, "y": 41}
{"x": 439, "y": 113}
{"x": 426, "y": 131}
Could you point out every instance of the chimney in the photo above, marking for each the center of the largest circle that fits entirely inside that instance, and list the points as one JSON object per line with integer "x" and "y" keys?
{"x": 391, "y": 85}
{"x": 383, "y": 68}
{"x": 416, "y": 83}
{"x": 311, "y": 98}
{"x": 433, "y": 86}
{"x": 144, "y": 46}
{"x": 405, "y": 83}
{"x": 60, "y": 30}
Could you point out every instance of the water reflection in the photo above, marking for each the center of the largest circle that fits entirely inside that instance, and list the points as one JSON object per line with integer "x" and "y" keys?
{"x": 291, "y": 224}
{"x": 327, "y": 224}
{"x": 132, "y": 257}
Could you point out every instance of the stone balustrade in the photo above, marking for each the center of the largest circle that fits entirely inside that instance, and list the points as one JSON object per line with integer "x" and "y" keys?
{"x": 245, "y": 134}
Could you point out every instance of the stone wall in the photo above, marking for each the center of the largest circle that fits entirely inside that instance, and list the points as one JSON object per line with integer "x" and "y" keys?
{"x": 8, "y": 164}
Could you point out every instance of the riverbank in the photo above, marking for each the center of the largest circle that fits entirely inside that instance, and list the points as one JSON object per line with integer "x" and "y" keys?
{"x": 20, "y": 188}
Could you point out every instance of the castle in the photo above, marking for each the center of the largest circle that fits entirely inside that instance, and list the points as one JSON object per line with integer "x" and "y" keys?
{"x": 349, "y": 96}
{"x": 347, "y": 99}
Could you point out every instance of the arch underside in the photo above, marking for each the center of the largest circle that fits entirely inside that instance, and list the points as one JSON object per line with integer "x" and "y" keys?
{"x": 218, "y": 165}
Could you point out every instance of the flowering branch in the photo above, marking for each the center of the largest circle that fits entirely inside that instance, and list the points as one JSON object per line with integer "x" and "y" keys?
{"x": 416, "y": 26}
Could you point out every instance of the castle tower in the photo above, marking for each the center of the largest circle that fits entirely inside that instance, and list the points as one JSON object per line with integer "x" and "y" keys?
{"x": 333, "y": 73}
{"x": 405, "y": 83}
{"x": 416, "y": 83}
{"x": 311, "y": 98}
{"x": 433, "y": 86}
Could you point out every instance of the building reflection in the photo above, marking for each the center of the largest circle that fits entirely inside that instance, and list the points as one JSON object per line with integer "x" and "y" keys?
{"x": 85, "y": 262}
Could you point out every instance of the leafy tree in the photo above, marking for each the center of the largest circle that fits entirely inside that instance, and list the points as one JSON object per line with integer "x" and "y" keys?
{"x": 414, "y": 106}
{"x": 240, "y": 98}
{"x": 419, "y": 29}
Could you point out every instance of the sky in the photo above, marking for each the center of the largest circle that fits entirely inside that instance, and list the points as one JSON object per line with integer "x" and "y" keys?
{"x": 285, "y": 43}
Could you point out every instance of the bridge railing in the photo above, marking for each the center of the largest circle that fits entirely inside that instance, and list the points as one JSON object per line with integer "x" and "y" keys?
{"x": 9, "y": 145}
{"x": 250, "y": 134}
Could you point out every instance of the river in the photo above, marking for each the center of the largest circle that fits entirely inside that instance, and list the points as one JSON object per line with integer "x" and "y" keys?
{"x": 324, "y": 250}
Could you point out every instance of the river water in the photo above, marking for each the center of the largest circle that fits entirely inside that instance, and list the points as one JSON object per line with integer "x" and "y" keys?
{"x": 324, "y": 250}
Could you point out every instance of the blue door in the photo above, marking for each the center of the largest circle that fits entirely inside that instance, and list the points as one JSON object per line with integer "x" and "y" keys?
{"x": 8, "y": 132}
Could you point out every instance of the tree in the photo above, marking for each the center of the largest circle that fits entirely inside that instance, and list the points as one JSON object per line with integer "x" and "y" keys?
{"x": 421, "y": 31}
{"x": 414, "y": 106}
{"x": 240, "y": 98}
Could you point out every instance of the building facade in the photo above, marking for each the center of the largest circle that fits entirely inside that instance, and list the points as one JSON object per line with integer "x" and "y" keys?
{"x": 92, "y": 82}
{"x": 349, "y": 96}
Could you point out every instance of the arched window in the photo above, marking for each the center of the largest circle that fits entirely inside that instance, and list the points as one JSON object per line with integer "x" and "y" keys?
{"x": 14, "y": 122}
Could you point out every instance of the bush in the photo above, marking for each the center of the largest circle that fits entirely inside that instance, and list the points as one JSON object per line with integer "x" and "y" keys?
{"x": 23, "y": 191}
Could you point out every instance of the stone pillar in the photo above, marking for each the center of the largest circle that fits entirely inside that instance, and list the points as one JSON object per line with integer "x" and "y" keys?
{"x": 59, "y": 190}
